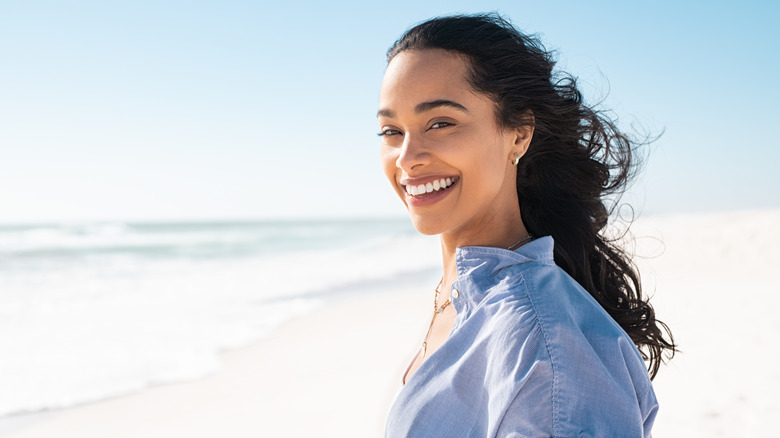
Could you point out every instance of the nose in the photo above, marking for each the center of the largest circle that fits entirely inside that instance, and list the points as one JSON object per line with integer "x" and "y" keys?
{"x": 412, "y": 154}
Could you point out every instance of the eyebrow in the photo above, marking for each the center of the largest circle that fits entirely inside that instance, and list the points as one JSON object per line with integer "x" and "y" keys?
{"x": 426, "y": 106}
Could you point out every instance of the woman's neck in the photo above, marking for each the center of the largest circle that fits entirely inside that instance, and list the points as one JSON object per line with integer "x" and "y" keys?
{"x": 501, "y": 234}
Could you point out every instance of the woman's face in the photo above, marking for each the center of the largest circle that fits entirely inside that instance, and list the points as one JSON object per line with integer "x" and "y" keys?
{"x": 442, "y": 150}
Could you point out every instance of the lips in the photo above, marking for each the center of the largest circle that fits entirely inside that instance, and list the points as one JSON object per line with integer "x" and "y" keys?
{"x": 428, "y": 190}
{"x": 430, "y": 187}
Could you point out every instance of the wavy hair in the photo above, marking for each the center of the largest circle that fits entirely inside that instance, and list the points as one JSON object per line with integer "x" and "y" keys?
{"x": 576, "y": 162}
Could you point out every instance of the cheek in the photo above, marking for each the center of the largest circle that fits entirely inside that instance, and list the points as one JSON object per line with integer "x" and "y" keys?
{"x": 388, "y": 157}
{"x": 487, "y": 172}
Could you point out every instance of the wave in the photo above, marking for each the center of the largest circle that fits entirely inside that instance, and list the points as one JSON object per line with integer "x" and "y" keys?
{"x": 195, "y": 239}
{"x": 88, "y": 315}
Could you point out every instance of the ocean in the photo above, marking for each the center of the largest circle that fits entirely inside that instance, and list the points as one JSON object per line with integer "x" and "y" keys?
{"x": 95, "y": 310}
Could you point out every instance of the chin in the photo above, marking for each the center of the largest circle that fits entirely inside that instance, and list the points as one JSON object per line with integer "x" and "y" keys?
{"x": 426, "y": 226}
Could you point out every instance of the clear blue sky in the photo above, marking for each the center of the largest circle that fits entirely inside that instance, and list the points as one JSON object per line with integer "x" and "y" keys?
{"x": 163, "y": 110}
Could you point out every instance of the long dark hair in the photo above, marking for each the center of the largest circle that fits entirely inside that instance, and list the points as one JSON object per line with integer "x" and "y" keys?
{"x": 577, "y": 162}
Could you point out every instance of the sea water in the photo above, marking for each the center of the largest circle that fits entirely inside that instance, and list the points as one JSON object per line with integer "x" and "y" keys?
{"x": 93, "y": 310}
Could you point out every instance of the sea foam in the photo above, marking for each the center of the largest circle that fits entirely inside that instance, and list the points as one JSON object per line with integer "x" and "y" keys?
{"x": 91, "y": 311}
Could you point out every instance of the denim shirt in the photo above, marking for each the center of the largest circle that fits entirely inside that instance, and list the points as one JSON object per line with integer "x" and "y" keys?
{"x": 531, "y": 354}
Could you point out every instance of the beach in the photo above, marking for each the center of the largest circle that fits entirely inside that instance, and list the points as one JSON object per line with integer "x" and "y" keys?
{"x": 335, "y": 371}
{"x": 331, "y": 373}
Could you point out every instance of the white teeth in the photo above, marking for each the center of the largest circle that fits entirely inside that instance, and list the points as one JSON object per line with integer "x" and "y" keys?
{"x": 430, "y": 187}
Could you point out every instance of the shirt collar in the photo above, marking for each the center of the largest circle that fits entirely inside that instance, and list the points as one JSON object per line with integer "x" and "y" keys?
{"x": 488, "y": 260}
{"x": 485, "y": 261}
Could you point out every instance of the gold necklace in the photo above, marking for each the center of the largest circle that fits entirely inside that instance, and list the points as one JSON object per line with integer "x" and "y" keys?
{"x": 516, "y": 244}
{"x": 436, "y": 310}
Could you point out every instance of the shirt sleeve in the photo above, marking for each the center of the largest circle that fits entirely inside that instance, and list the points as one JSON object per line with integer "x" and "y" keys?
{"x": 520, "y": 422}
{"x": 530, "y": 413}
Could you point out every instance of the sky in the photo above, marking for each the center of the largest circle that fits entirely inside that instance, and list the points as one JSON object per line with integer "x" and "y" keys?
{"x": 239, "y": 110}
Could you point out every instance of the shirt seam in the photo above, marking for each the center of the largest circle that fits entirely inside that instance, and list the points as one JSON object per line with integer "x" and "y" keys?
{"x": 519, "y": 258}
{"x": 517, "y": 392}
{"x": 645, "y": 392}
{"x": 553, "y": 365}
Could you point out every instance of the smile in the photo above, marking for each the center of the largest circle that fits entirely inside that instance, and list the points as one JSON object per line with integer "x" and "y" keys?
{"x": 430, "y": 187}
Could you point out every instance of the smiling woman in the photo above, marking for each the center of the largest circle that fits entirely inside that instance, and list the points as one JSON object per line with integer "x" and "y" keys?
{"x": 539, "y": 318}
{"x": 436, "y": 129}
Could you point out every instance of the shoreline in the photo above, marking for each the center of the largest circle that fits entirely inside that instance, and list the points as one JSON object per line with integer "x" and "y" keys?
{"x": 333, "y": 371}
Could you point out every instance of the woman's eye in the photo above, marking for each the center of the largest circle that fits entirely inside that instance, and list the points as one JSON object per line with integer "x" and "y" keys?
{"x": 439, "y": 125}
{"x": 388, "y": 132}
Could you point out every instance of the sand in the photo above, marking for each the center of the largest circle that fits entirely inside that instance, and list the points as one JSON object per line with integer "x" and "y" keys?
{"x": 331, "y": 373}
{"x": 717, "y": 287}
{"x": 336, "y": 371}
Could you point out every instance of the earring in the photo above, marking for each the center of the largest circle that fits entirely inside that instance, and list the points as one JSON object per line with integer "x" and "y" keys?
{"x": 517, "y": 159}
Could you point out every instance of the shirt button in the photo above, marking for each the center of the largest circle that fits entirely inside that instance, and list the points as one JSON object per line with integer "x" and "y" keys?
{"x": 454, "y": 293}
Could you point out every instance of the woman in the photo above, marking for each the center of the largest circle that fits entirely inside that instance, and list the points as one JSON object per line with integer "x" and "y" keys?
{"x": 538, "y": 319}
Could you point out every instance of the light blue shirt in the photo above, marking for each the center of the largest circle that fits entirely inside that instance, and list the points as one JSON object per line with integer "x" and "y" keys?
{"x": 531, "y": 354}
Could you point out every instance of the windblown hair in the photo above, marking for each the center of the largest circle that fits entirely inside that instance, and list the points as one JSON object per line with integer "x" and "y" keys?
{"x": 577, "y": 163}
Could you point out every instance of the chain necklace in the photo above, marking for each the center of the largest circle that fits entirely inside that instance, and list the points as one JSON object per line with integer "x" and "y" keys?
{"x": 516, "y": 244}
{"x": 436, "y": 310}
{"x": 439, "y": 309}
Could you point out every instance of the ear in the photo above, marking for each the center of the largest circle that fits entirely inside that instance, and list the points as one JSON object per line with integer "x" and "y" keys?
{"x": 522, "y": 138}
{"x": 522, "y": 135}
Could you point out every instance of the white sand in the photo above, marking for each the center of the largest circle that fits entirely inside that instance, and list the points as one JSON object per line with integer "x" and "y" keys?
{"x": 717, "y": 286}
{"x": 334, "y": 373}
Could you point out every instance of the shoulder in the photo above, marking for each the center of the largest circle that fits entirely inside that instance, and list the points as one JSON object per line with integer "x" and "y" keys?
{"x": 574, "y": 350}
{"x": 551, "y": 357}
{"x": 596, "y": 366}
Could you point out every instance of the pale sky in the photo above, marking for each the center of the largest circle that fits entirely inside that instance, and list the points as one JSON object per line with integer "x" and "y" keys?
{"x": 171, "y": 110}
